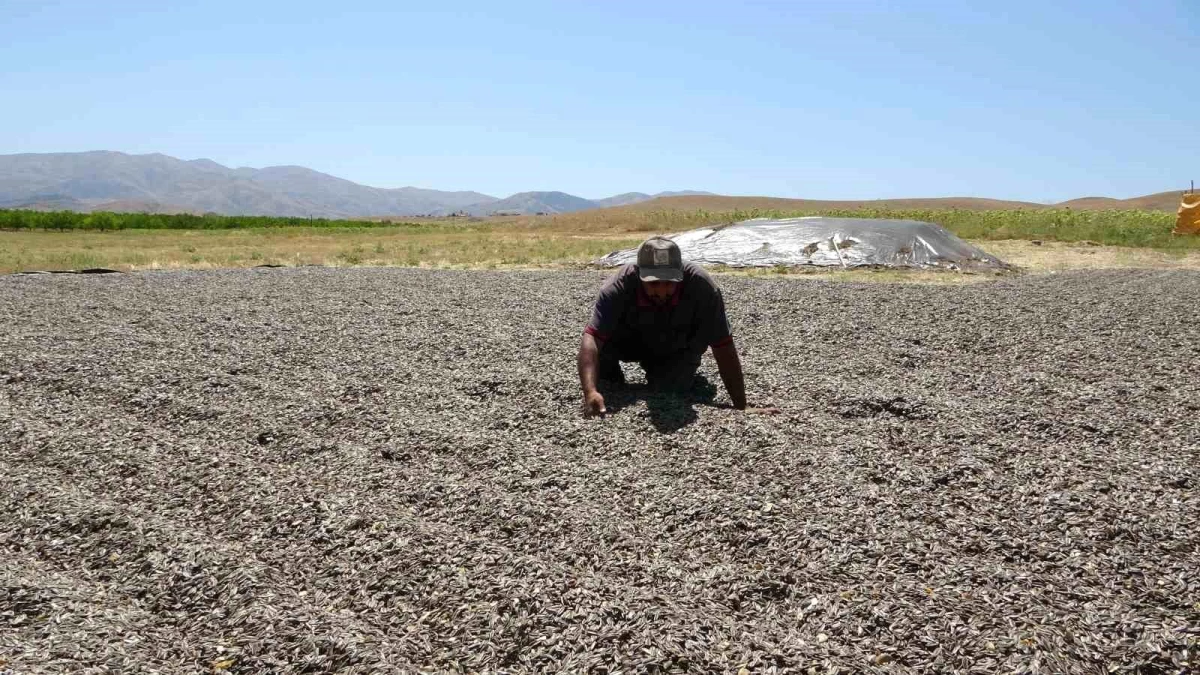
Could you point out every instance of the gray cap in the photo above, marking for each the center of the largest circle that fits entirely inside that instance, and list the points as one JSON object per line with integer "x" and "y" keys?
{"x": 659, "y": 259}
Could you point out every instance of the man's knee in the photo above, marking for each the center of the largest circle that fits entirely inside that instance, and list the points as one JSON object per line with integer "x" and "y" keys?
{"x": 676, "y": 375}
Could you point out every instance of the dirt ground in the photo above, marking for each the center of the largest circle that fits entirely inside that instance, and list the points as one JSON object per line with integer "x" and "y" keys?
{"x": 384, "y": 470}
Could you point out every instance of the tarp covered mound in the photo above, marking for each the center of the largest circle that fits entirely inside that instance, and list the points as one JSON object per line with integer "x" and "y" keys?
{"x": 826, "y": 242}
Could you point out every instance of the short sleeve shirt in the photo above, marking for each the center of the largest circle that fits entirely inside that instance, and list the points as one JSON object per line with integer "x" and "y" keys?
{"x": 689, "y": 323}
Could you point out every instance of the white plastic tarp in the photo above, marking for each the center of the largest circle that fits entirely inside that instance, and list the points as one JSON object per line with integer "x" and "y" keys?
{"x": 828, "y": 242}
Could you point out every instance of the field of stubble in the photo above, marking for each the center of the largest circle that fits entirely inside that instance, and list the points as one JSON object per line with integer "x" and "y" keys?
{"x": 384, "y": 470}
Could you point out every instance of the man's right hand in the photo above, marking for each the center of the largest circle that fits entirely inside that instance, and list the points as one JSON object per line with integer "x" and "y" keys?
{"x": 593, "y": 404}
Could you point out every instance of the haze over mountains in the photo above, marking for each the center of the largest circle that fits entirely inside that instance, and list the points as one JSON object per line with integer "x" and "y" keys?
{"x": 156, "y": 183}
{"x": 104, "y": 180}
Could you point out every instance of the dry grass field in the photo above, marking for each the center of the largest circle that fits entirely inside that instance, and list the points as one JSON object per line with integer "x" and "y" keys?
{"x": 383, "y": 246}
{"x": 517, "y": 248}
{"x": 1130, "y": 233}
{"x": 1137, "y": 239}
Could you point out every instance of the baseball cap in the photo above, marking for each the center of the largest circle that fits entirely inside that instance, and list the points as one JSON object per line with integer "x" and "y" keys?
{"x": 659, "y": 259}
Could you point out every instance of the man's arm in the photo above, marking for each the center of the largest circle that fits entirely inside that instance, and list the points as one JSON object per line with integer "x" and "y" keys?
{"x": 605, "y": 315}
{"x": 588, "y": 362}
{"x": 730, "y": 367}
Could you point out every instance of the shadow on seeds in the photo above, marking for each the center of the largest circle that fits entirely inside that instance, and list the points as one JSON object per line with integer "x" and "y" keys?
{"x": 669, "y": 411}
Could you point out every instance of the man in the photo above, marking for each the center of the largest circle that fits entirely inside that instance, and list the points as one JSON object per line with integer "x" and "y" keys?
{"x": 662, "y": 313}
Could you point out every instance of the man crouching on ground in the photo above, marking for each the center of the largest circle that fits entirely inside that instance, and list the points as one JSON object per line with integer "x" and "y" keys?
{"x": 663, "y": 313}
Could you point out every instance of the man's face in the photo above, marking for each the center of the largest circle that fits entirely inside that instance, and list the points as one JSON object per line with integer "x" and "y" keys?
{"x": 660, "y": 292}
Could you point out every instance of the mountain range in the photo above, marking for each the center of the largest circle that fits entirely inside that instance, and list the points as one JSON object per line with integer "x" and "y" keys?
{"x": 156, "y": 183}
{"x": 116, "y": 181}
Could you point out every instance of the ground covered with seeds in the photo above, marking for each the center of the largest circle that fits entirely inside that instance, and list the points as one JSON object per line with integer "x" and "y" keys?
{"x": 385, "y": 470}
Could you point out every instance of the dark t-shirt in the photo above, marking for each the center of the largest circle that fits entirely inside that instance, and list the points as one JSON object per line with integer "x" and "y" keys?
{"x": 692, "y": 321}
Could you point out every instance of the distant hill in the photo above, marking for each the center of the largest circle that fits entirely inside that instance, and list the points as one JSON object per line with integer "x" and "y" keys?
{"x": 115, "y": 180}
{"x": 46, "y": 202}
{"x": 1159, "y": 201}
{"x": 156, "y": 183}
{"x": 1092, "y": 203}
{"x": 623, "y": 199}
{"x": 1162, "y": 201}
{"x": 731, "y": 203}
{"x": 533, "y": 202}
{"x": 638, "y": 197}
{"x": 559, "y": 202}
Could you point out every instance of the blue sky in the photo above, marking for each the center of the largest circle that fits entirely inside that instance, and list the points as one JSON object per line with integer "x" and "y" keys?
{"x": 1040, "y": 101}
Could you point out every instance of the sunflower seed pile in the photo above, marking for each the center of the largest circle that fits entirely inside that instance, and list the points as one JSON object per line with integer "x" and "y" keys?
{"x": 386, "y": 470}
